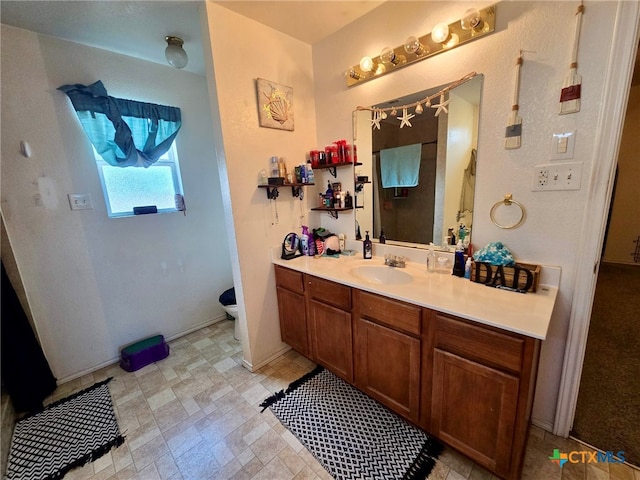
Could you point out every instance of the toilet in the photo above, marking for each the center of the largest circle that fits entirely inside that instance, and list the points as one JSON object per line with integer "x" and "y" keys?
{"x": 228, "y": 302}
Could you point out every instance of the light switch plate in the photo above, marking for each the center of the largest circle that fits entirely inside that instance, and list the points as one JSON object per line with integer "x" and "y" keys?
{"x": 557, "y": 176}
{"x": 562, "y": 145}
{"x": 80, "y": 201}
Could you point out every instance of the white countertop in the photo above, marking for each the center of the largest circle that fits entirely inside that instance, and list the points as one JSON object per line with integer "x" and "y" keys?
{"x": 528, "y": 313}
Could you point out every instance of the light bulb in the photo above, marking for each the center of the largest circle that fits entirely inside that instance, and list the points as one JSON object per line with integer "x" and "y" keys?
{"x": 440, "y": 33}
{"x": 366, "y": 64}
{"x": 413, "y": 45}
{"x": 453, "y": 40}
{"x": 351, "y": 73}
{"x": 174, "y": 52}
{"x": 387, "y": 55}
{"x": 472, "y": 20}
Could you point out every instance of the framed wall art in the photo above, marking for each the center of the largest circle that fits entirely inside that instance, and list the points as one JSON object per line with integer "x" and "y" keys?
{"x": 275, "y": 105}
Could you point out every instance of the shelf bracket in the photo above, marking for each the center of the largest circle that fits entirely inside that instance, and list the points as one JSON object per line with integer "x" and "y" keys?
{"x": 272, "y": 193}
{"x": 332, "y": 171}
{"x": 359, "y": 187}
{"x": 333, "y": 214}
{"x": 296, "y": 191}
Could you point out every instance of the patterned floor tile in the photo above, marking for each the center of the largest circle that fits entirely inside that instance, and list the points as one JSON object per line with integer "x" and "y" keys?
{"x": 195, "y": 416}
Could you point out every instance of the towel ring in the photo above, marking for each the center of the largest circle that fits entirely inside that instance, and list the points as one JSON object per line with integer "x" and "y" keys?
{"x": 508, "y": 201}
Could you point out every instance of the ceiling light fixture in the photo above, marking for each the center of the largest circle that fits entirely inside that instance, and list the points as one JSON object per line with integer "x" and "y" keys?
{"x": 174, "y": 53}
{"x": 472, "y": 25}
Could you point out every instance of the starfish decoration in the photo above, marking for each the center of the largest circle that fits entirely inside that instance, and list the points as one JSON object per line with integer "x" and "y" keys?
{"x": 406, "y": 116}
{"x": 442, "y": 106}
{"x": 375, "y": 121}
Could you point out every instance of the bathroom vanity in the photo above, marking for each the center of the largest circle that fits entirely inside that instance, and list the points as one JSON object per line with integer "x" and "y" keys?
{"x": 456, "y": 358}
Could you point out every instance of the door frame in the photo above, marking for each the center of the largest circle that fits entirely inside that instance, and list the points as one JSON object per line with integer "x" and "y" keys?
{"x": 607, "y": 145}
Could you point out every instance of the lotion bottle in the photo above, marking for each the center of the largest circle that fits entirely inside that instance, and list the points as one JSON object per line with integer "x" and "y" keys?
{"x": 367, "y": 247}
{"x": 304, "y": 240}
{"x": 458, "y": 262}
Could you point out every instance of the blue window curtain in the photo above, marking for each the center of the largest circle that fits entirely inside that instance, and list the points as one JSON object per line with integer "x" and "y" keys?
{"x": 125, "y": 133}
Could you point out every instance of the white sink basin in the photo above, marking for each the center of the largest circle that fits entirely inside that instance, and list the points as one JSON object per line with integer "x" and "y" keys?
{"x": 382, "y": 274}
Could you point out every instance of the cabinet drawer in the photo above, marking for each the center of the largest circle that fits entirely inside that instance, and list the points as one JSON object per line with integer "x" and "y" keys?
{"x": 289, "y": 279}
{"x": 482, "y": 344}
{"x": 392, "y": 313}
{"x": 329, "y": 292}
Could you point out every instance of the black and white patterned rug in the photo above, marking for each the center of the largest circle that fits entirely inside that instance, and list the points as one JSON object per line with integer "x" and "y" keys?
{"x": 349, "y": 433}
{"x": 66, "y": 434}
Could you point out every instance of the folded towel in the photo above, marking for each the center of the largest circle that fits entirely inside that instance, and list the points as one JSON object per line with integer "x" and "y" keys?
{"x": 400, "y": 166}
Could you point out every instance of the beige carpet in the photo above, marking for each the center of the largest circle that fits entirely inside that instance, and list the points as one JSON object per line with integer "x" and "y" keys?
{"x": 608, "y": 409}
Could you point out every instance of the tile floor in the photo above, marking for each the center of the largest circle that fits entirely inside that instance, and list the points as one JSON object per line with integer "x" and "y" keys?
{"x": 195, "y": 416}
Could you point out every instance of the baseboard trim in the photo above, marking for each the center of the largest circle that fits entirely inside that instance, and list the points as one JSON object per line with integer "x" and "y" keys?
{"x": 543, "y": 424}
{"x": 112, "y": 361}
{"x": 254, "y": 367}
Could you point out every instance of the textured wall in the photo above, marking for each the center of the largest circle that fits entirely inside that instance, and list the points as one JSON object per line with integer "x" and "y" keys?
{"x": 258, "y": 223}
{"x": 551, "y": 233}
{"x": 95, "y": 284}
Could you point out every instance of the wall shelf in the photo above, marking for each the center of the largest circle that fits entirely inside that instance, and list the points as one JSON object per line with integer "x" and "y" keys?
{"x": 332, "y": 167}
{"x": 332, "y": 211}
{"x": 296, "y": 189}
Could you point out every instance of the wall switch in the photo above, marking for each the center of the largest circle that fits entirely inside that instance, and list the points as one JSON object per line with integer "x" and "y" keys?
{"x": 557, "y": 176}
{"x": 80, "y": 201}
{"x": 562, "y": 145}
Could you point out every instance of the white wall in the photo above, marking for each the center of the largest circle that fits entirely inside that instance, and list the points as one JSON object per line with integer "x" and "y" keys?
{"x": 96, "y": 284}
{"x": 554, "y": 219}
{"x": 461, "y": 136}
{"x": 258, "y": 52}
{"x": 624, "y": 226}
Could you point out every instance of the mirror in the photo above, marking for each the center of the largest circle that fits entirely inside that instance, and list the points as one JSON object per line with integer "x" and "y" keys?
{"x": 437, "y": 159}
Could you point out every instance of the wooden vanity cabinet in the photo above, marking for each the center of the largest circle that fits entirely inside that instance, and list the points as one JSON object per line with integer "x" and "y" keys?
{"x": 482, "y": 387}
{"x": 291, "y": 308}
{"x": 468, "y": 384}
{"x": 387, "y": 352}
{"x": 329, "y": 323}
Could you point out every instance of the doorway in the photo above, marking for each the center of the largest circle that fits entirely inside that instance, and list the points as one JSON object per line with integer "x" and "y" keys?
{"x": 607, "y": 413}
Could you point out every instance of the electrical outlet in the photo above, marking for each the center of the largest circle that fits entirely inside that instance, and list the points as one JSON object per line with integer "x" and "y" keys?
{"x": 80, "y": 201}
{"x": 557, "y": 176}
{"x": 541, "y": 176}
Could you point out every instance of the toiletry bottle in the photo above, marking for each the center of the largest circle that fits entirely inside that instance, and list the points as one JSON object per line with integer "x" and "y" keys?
{"x": 431, "y": 260}
{"x": 467, "y": 268}
{"x": 304, "y": 240}
{"x": 367, "y": 247}
{"x": 382, "y": 238}
{"x": 348, "y": 200}
{"x": 458, "y": 262}
{"x": 328, "y": 196}
{"x": 274, "y": 167}
{"x": 341, "y": 240}
{"x": 310, "y": 175}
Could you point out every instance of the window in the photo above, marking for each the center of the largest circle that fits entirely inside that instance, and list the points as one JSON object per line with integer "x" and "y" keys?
{"x": 125, "y": 188}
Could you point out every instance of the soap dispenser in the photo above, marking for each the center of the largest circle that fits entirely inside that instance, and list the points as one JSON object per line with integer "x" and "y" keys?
{"x": 367, "y": 247}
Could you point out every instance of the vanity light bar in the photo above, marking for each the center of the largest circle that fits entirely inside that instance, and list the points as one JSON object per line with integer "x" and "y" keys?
{"x": 392, "y": 59}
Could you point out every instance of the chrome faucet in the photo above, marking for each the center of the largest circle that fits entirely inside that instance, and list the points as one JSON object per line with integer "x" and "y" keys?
{"x": 395, "y": 261}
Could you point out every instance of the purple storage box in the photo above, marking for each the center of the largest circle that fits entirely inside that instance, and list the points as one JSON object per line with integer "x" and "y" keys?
{"x": 140, "y": 354}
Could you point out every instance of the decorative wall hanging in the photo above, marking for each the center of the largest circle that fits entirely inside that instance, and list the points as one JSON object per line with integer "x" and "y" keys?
{"x": 514, "y": 128}
{"x": 571, "y": 88}
{"x": 275, "y": 105}
{"x": 379, "y": 114}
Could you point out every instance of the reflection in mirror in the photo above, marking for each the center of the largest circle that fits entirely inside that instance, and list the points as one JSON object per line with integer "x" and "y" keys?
{"x": 423, "y": 191}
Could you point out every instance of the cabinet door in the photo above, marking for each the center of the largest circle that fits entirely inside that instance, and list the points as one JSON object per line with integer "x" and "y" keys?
{"x": 474, "y": 409}
{"x": 293, "y": 322}
{"x": 331, "y": 336}
{"x": 388, "y": 367}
